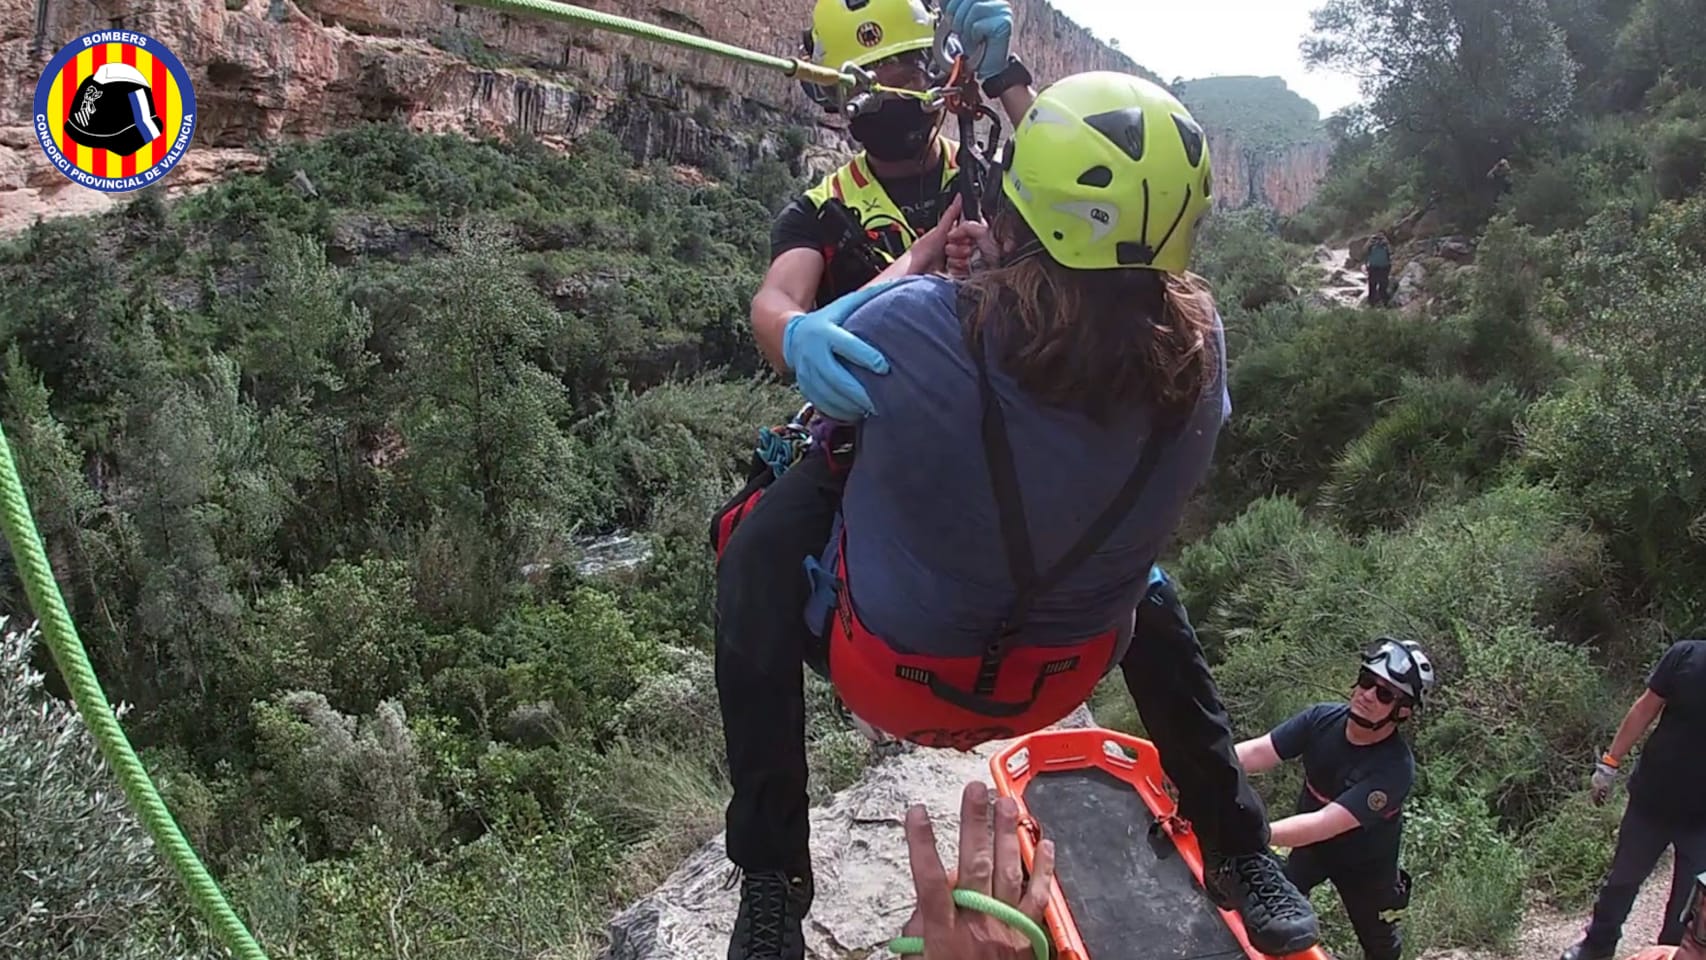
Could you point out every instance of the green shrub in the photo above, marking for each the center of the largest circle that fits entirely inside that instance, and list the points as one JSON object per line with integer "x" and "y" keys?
{"x": 1569, "y": 852}
{"x": 79, "y": 873}
{"x": 1441, "y": 439}
{"x": 1468, "y": 877}
{"x": 1679, "y": 158}
{"x": 1299, "y": 398}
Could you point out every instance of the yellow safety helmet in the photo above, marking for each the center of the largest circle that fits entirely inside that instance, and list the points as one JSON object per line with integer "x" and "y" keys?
{"x": 865, "y": 31}
{"x": 1111, "y": 172}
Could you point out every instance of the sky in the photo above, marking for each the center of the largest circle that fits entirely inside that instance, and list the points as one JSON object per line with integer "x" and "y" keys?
{"x": 1211, "y": 38}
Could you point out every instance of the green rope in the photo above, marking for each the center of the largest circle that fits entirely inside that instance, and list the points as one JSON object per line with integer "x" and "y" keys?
{"x": 646, "y": 31}
{"x": 822, "y": 75}
{"x": 30, "y": 555}
{"x": 972, "y": 900}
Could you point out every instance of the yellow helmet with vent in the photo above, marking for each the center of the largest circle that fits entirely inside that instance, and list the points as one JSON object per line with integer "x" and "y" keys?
{"x": 1110, "y": 171}
{"x": 865, "y": 31}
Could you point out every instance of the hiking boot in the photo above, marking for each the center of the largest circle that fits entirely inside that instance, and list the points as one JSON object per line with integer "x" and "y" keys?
{"x": 1277, "y": 918}
{"x": 1583, "y": 950}
{"x": 773, "y": 907}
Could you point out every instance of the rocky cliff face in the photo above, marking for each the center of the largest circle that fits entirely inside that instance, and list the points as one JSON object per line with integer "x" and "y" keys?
{"x": 1285, "y": 179}
{"x": 268, "y": 69}
{"x": 275, "y": 68}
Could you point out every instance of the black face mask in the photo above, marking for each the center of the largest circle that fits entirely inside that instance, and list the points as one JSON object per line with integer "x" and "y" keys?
{"x": 895, "y": 131}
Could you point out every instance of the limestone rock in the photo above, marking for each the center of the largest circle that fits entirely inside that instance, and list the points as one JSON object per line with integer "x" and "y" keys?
{"x": 1409, "y": 288}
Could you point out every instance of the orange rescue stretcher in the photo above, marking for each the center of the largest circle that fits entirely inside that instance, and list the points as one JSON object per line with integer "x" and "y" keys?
{"x": 1128, "y": 871}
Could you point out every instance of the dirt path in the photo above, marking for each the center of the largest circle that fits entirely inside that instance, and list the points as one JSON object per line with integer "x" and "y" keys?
{"x": 1339, "y": 284}
{"x": 1546, "y": 932}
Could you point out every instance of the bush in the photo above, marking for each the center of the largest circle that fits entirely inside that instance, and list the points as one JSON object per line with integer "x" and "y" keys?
{"x": 1468, "y": 877}
{"x": 1569, "y": 852}
{"x": 1299, "y": 398}
{"x": 1440, "y": 440}
{"x": 1679, "y": 158}
{"x": 80, "y": 873}
{"x": 344, "y": 777}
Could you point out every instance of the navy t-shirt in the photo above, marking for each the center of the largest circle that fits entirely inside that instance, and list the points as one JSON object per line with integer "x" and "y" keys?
{"x": 1372, "y": 782}
{"x": 1668, "y": 782}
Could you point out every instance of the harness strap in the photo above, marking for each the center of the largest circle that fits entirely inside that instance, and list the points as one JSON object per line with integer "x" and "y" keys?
{"x": 1016, "y": 537}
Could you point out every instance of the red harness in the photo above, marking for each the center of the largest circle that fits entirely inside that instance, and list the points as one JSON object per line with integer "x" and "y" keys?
{"x": 1011, "y": 688}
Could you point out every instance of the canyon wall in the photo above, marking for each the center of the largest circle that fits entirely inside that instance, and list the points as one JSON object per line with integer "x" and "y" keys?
{"x": 1284, "y": 178}
{"x": 270, "y": 69}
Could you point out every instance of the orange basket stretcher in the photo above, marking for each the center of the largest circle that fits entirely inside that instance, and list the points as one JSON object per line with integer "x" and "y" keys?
{"x": 1128, "y": 870}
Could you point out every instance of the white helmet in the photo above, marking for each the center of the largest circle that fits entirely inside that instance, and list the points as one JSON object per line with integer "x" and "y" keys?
{"x": 1403, "y": 664}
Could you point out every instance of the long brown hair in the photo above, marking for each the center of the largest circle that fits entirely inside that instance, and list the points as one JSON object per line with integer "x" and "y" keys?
{"x": 1094, "y": 341}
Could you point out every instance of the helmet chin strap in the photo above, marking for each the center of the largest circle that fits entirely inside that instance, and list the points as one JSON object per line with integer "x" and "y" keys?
{"x": 1371, "y": 725}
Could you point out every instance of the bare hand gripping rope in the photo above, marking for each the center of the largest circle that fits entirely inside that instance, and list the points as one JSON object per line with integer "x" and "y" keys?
{"x": 959, "y": 96}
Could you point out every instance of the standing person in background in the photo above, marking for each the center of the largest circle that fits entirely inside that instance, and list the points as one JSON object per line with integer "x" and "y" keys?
{"x": 1667, "y": 798}
{"x": 1379, "y": 270}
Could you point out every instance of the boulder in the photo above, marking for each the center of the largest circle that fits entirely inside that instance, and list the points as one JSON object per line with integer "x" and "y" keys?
{"x": 1358, "y": 251}
{"x": 863, "y": 881}
{"x": 1456, "y": 249}
{"x": 1409, "y": 288}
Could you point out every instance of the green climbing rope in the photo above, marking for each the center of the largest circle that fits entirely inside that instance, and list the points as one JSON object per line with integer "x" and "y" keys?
{"x": 30, "y": 555}
{"x": 972, "y": 900}
{"x": 790, "y": 66}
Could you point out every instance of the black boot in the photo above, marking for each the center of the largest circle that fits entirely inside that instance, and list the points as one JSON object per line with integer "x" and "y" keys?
{"x": 773, "y": 907}
{"x": 1277, "y": 918}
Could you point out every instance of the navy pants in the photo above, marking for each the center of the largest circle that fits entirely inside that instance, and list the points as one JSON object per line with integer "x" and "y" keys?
{"x": 1641, "y": 839}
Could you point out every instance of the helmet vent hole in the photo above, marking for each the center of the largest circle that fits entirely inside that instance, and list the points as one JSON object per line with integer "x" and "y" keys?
{"x": 1097, "y": 176}
{"x": 1191, "y": 134}
{"x": 1207, "y": 186}
{"x": 1134, "y": 254}
{"x": 1059, "y": 236}
{"x": 1124, "y": 128}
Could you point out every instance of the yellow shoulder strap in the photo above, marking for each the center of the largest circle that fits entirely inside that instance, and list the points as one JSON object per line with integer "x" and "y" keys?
{"x": 855, "y": 185}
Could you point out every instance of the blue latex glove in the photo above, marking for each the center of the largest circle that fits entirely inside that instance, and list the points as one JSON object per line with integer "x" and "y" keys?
{"x": 814, "y": 346}
{"x": 988, "y": 23}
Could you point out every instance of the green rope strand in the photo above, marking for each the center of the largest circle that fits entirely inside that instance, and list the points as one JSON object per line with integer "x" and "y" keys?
{"x": 646, "y": 31}
{"x": 972, "y": 900}
{"x": 30, "y": 555}
{"x": 820, "y": 74}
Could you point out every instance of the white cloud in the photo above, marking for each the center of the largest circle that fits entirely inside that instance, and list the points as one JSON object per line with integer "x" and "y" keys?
{"x": 1208, "y": 38}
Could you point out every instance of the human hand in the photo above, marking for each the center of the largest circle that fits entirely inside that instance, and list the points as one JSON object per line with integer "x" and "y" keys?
{"x": 987, "y": 24}
{"x": 1604, "y": 776}
{"x": 814, "y": 346}
{"x": 987, "y": 865}
{"x": 928, "y": 254}
{"x": 969, "y": 245}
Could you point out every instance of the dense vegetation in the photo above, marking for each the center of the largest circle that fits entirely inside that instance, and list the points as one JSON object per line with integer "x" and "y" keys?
{"x": 317, "y": 469}
{"x": 1263, "y": 112}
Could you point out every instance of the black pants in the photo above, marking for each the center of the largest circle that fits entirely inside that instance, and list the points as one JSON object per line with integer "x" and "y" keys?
{"x": 1373, "y": 898}
{"x": 762, "y": 640}
{"x": 1641, "y": 838}
{"x": 1377, "y": 279}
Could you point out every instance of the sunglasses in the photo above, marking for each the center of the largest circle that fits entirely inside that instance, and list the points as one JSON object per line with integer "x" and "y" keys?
{"x": 1367, "y": 680}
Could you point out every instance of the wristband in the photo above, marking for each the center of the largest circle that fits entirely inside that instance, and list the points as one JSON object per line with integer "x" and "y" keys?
{"x": 1609, "y": 760}
{"x": 971, "y": 899}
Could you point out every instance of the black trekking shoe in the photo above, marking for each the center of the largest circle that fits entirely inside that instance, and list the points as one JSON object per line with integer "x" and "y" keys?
{"x": 1583, "y": 950}
{"x": 773, "y": 907}
{"x": 1277, "y": 918}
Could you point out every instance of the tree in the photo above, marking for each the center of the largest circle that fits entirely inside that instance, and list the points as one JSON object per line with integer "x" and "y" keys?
{"x": 1458, "y": 83}
{"x": 486, "y": 460}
